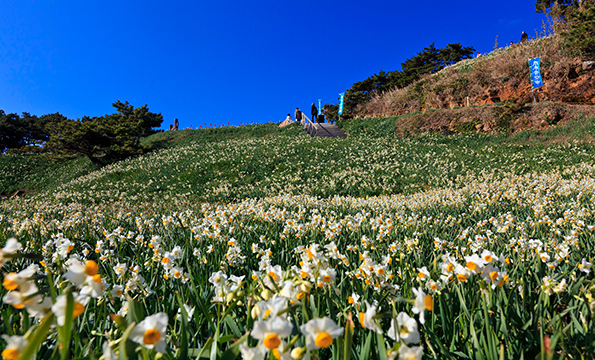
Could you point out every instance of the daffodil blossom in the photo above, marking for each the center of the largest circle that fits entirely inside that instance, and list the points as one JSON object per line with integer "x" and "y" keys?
{"x": 367, "y": 319}
{"x": 320, "y": 333}
{"x": 423, "y": 302}
{"x": 151, "y": 332}
{"x": 59, "y": 307}
{"x": 14, "y": 347}
{"x": 411, "y": 353}
{"x": 404, "y": 328}
{"x": 271, "y": 331}
{"x": 252, "y": 353}
{"x": 11, "y": 247}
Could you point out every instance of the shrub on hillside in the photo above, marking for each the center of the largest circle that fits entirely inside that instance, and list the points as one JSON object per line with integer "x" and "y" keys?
{"x": 580, "y": 36}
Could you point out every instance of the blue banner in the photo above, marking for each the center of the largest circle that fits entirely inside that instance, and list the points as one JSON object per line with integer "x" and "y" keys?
{"x": 341, "y": 100}
{"x": 534, "y": 66}
{"x": 319, "y": 106}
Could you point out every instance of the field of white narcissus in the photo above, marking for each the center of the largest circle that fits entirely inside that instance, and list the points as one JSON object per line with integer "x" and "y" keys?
{"x": 489, "y": 264}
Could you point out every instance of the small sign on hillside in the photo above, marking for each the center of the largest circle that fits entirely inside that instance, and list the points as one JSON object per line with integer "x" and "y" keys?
{"x": 534, "y": 66}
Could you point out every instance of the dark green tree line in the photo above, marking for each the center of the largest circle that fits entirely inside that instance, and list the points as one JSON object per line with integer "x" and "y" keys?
{"x": 102, "y": 139}
{"x": 429, "y": 60}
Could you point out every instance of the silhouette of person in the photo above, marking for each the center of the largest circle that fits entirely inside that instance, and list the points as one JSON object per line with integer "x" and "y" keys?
{"x": 314, "y": 113}
{"x": 298, "y": 115}
{"x": 524, "y": 37}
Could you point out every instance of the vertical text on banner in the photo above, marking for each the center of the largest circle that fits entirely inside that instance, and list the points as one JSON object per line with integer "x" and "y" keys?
{"x": 534, "y": 67}
{"x": 341, "y": 100}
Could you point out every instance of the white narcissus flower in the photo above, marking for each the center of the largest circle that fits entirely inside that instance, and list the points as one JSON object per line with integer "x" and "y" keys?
{"x": 271, "y": 331}
{"x": 85, "y": 275}
{"x": 108, "y": 353}
{"x": 474, "y": 263}
{"x": 27, "y": 295}
{"x": 367, "y": 319}
{"x": 585, "y": 266}
{"x": 320, "y": 333}
{"x": 252, "y": 353}
{"x": 410, "y": 353}
{"x": 11, "y": 247}
{"x": 59, "y": 307}
{"x": 14, "y": 347}
{"x": 423, "y": 274}
{"x": 353, "y": 299}
{"x": 267, "y": 309}
{"x": 423, "y": 302}
{"x": 282, "y": 352}
{"x": 117, "y": 291}
{"x": 189, "y": 311}
{"x": 405, "y": 329}
{"x": 12, "y": 280}
{"x": 151, "y": 332}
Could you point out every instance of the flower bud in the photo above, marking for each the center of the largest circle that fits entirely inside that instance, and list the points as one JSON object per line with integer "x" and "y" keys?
{"x": 298, "y": 352}
{"x": 229, "y": 298}
{"x": 255, "y": 312}
{"x": 266, "y": 294}
{"x": 306, "y": 286}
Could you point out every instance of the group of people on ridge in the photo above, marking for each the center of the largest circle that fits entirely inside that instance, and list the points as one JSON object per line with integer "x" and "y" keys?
{"x": 299, "y": 115}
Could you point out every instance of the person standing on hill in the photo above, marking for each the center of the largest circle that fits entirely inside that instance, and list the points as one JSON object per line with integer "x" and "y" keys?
{"x": 314, "y": 113}
{"x": 524, "y": 37}
{"x": 298, "y": 115}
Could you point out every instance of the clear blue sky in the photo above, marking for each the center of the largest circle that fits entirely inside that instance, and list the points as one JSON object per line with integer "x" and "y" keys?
{"x": 204, "y": 61}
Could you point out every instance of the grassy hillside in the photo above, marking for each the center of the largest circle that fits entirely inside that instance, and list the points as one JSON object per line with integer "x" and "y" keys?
{"x": 501, "y": 76}
{"x": 37, "y": 173}
{"x": 230, "y": 164}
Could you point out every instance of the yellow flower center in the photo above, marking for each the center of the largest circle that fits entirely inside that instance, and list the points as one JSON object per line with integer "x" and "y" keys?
{"x": 165, "y": 260}
{"x": 350, "y": 300}
{"x": 323, "y": 339}
{"x": 381, "y": 271}
{"x": 273, "y": 275}
{"x": 11, "y": 354}
{"x": 326, "y": 278}
{"x": 78, "y": 310}
{"x": 494, "y": 275}
{"x": 9, "y": 284}
{"x": 429, "y": 302}
{"x": 97, "y": 279}
{"x": 271, "y": 341}
{"x": 450, "y": 267}
{"x": 471, "y": 265}
{"x": 18, "y": 306}
{"x": 151, "y": 336}
{"x": 361, "y": 319}
{"x": 488, "y": 258}
{"x": 301, "y": 295}
{"x": 267, "y": 313}
{"x": 303, "y": 274}
{"x": 433, "y": 287}
{"x": 462, "y": 277}
{"x": 91, "y": 268}
{"x": 421, "y": 275}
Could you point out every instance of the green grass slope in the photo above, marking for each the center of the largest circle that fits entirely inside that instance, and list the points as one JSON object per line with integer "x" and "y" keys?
{"x": 231, "y": 164}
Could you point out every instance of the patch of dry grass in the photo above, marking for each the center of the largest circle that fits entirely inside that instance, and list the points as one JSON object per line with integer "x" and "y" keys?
{"x": 502, "y": 75}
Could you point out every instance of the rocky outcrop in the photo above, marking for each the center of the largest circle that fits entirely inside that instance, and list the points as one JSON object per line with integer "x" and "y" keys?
{"x": 488, "y": 118}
